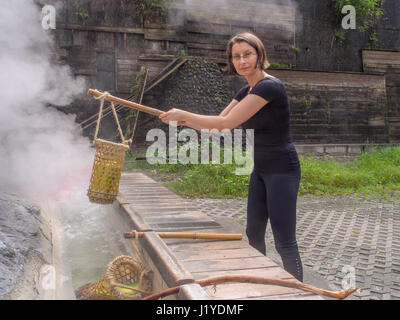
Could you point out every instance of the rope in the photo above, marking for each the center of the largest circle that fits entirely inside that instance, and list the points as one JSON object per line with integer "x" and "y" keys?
{"x": 106, "y": 112}
{"x": 116, "y": 120}
{"x": 135, "y": 244}
{"x": 102, "y": 98}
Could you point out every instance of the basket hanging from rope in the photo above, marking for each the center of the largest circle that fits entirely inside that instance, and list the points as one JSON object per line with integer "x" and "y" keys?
{"x": 109, "y": 158}
{"x": 125, "y": 279}
{"x": 108, "y": 162}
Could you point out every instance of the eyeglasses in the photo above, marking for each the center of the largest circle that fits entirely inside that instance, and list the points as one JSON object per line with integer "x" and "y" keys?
{"x": 245, "y": 56}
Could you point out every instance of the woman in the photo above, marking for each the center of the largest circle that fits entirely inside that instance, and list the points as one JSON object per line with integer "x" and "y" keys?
{"x": 261, "y": 105}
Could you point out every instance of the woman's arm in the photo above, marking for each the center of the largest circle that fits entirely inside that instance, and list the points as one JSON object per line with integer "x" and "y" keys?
{"x": 224, "y": 112}
{"x": 233, "y": 115}
{"x": 233, "y": 103}
{"x": 190, "y": 125}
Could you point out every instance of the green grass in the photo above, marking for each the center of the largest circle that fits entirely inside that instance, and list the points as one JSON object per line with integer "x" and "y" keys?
{"x": 196, "y": 180}
{"x": 376, "y": 173}
{"x": 279, "y": 65}
{"x": 372, "y": 174}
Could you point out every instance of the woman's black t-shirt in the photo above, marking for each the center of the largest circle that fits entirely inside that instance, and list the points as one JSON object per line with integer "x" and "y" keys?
{"x": 274, "y": 151}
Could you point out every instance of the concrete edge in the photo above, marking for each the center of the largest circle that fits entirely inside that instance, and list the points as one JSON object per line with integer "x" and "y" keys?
{"x": 338, "y": 149}
{"x": 138, "y": 222}
{"x": 171, "y": 269}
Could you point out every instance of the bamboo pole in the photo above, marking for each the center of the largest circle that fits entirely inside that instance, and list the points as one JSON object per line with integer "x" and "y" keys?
{"x": 126, "y": 103}
{"x": 341, "y": 294}
{"x": 189, "y": 235}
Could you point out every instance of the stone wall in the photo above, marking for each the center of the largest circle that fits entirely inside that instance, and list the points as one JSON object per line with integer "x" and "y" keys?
{"x": 25, "y": 245}
{"x": 198, "y": 85}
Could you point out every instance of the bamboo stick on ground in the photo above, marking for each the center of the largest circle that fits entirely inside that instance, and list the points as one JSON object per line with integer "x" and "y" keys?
{"x": 189, "y": 235}
{"x": 341, "y": 294}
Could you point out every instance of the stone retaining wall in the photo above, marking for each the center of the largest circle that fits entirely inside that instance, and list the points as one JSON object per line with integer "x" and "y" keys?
{"x": 25, "y": 245}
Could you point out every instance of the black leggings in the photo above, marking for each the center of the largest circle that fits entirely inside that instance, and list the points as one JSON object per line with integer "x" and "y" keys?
{"x": 274, "y": 196}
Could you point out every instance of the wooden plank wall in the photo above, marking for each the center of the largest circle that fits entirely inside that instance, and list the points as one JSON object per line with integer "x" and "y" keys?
{"x": 332, "y": 107}
{"x": 387, "y": 63}
{"x": 201, "y": 30}
{"x": 209, "y": 27}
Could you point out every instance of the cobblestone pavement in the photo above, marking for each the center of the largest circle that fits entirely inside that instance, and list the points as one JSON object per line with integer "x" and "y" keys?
{"x": 337, "y": 237}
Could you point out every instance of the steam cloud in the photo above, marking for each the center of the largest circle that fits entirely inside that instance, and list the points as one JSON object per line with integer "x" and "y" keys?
{"x": 41, "y": 150}
{"x": 42, "y": 153}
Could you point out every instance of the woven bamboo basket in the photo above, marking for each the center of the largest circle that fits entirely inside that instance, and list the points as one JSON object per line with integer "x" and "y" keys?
{"x": 106, "y": 172}
{"x": 125, "y": 279}
{"x": 109, "y": 157}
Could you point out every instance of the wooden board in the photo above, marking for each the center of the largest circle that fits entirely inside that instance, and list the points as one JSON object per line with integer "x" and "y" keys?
{"x": 83, "y": 61}
{"x": 294, "y": 296}
{"x": 327, "y": 107}
{"x": 195, "y": 246}
{"x": 126, "y": 70}
{"x": 233, "y": 291}
{"x": 258, "y": 265}
{"x": 330, "y": 79}
{"x": 100, "y": 28}
{"x": 222, "y": 265}
{"x": 217, "y": 254}
{"x": 172, "y": 270}
{"x": 181, "y": 260}
{"x": 249, "y": 291}
{"x": 388, "y": 63}
{"x": 380, "y": 61}
{"x": 269, "y": 272}
{"x": 221, "y": 12}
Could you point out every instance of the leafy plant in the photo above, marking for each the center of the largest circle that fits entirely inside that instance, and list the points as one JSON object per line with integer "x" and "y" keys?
{"x": 181, "y": 53}
{"x": 367, "y": 12}
{"x": 340, "y": 34}
{"x": 138, "y": 81}
{"x": 136, "y": 90}
{"x": 279, "y": 65}
{"x": 81, "y": 14}
{"x": 145, "y": 9}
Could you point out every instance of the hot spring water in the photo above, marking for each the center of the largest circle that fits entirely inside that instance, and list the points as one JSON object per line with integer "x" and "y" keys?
{"x": 86, "y": 238}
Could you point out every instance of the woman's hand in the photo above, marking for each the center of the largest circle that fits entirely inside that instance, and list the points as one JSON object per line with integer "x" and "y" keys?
{"x": 172, "y": 115}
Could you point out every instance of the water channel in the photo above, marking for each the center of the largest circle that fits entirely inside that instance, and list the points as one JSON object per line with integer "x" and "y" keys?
{"x": 86, "y": 237}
